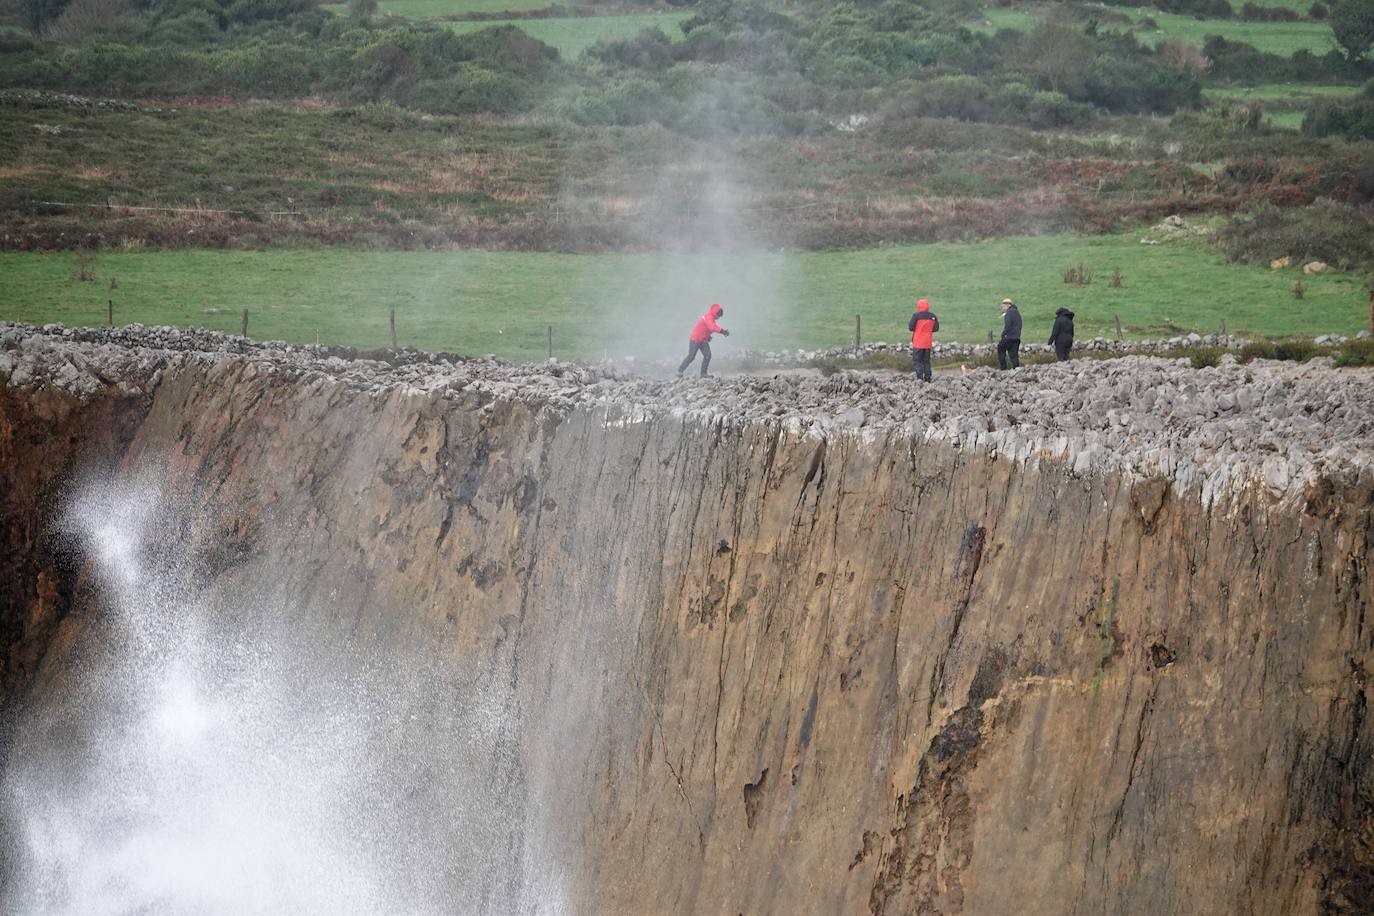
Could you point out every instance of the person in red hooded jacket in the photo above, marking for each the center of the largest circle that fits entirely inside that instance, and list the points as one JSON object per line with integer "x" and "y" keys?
{"x": 700, "y": 341}
{"x": 922, "y": 326}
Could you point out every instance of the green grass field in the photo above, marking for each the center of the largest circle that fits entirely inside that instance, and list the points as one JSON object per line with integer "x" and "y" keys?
{"x": 428, "y": 9}
{"x": 495, "y": 302}
{"x": 1276, "y": 37}
{"x": 1281, "y": 92}
{"x": 572, "y": 35}
{"x": 1285, "y": 104}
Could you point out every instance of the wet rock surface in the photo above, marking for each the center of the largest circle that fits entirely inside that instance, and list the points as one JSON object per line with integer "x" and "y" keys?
{"x": 1071, "y": 639}
{"x": 1211, "y": 430}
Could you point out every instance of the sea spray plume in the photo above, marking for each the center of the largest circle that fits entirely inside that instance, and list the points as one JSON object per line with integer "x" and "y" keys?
{"x": 192, "y": 765}
{"x": 692, "y": 208}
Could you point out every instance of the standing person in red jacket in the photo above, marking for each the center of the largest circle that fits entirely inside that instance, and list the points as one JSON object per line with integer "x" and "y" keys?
{"x": 701, "y": 339}
{"x": 922, "y": 326}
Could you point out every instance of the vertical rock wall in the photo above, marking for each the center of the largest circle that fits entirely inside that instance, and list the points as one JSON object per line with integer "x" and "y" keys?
{"x": 754, "y": 669}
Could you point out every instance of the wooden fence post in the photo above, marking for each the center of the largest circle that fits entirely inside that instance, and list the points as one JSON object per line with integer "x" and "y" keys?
{"x": 990, "y": 340}
{"x": 243, "y": 332}
{"x": 393, "y": 329}
{"x": 110, "y": 315}
{"x": 550, "y": 341}
{"x": 1118, "y": 326}
{"x": 1221, "y": 328}
{"x": 858, "y": 325}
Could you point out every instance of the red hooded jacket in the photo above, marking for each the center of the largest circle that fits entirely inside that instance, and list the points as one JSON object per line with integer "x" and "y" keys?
{"x": 706, "y": 324}
{"x": 922, "y": 326}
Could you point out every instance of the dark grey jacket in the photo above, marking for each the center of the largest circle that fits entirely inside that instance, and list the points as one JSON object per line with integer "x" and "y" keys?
{"x": 1011, "y": 324}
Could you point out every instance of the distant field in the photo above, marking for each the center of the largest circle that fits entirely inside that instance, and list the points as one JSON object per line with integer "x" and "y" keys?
{"x": 1276, "y": 37}
{"x": 1281, "y": 92}
{"x": 426, "y": 9}
{"x": 1284, "y": 103}
{"x": 572, "y": 35}
{"x": 481, "y": 302}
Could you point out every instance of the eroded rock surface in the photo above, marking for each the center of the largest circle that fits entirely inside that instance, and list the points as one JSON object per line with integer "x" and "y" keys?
{"x": 1075, "y": 639}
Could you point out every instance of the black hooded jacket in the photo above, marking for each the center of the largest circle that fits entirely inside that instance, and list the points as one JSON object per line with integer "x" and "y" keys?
{"x": 1011, "y": 324}
{"x": 1062, "y": 332}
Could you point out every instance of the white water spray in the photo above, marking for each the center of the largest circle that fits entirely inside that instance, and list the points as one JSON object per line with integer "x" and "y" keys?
{"x": 207, "y": 756}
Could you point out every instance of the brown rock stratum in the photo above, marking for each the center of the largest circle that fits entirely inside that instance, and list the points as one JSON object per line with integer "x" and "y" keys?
{"x": 1077, "y": 639}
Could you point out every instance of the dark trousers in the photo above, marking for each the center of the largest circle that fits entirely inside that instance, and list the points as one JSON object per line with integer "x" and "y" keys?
{"x": 705, "y": 349}
{"x": 920, "y": 363}
{"x": 1061, "y": 350}
{"x": 1009, "y": 348}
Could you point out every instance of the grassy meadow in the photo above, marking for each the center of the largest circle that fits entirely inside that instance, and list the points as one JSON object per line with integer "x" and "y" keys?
{"x": 1274, "y": 37}
{"x": 572, "y": 35}
{"x": 638, "y": 304}
{"x": 431, "y": 9}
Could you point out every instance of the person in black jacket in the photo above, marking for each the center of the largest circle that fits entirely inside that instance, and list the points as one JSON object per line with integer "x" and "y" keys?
{"x": 1009, "y": 347}
{"x": 1061, "y": 335}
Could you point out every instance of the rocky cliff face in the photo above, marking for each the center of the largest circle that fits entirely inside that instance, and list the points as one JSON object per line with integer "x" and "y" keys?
{"x": 1077, "y": 639}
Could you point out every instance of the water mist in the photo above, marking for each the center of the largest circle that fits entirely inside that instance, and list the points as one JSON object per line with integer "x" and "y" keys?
{"x": 219, "y": 756}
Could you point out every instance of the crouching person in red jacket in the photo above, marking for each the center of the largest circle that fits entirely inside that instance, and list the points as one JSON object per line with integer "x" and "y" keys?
{"x": 701, "y": 339}
{"x": 922, "y": 326}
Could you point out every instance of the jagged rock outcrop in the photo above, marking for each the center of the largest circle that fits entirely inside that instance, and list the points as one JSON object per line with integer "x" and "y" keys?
{"x": 1076, "y": 639}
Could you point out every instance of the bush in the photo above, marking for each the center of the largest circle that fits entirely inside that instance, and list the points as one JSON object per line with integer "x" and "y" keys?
{"x": 1054, "y": 109}
{"x": 1352, "y": 121}
{"x": 1126, "y": 86}
{"x": 1201, "y": 9}
{"x": 651, "y": 49}
{"x": 1352, "y": 25}
{"x": 472, "y": 89}
{"x": 1252, "y": 13}
{"x": 1294, "y": 351}
{"x": 1259, "y": 349}
{"x": 1325, "y": 231}
{"x": 1318, "y": 11}
{"x": 1356, "y": 353}
{"x": 1205, "y": 358}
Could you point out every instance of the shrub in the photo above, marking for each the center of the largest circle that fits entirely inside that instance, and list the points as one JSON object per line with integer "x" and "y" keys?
{"x": 1053, "y": 109}
{"x": 38, "y": 13}
{"x": 1201, "y": 9}
{"x": 1205, "y": 358}
{"x": 651, "y": 49}
{"x": 1126, "y": 85}
{"x": 1318, "y": 11}
{"x": 1352, "y": 25}
{"x": 472, "y": 89}
{"x": 1078, "y": 275}
{"x": 1324, "y": 231}
{"x": 1259, "y": 349}
{"x": 1352, "y": 121}
{"x": 1252, "y": 13}
{"x": 1184, "y": 56}
{"x": 1356, "y": 353}
{"x": 1294, "y": 351}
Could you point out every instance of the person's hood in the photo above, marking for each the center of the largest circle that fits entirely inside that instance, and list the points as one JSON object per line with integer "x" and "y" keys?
{"x": 715, "y": 311}
{"x": 1065, "y": 312}
{"x": 922, "y": 305}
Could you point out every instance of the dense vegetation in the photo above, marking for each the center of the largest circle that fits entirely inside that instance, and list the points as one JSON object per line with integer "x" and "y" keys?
{"x": 736, "y": 66}
{"x": 806, "y": 124}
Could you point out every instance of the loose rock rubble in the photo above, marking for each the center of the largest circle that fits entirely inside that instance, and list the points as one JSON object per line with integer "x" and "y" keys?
{"x": 944, "y": 351}
{"x": 1210, "y": 431}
